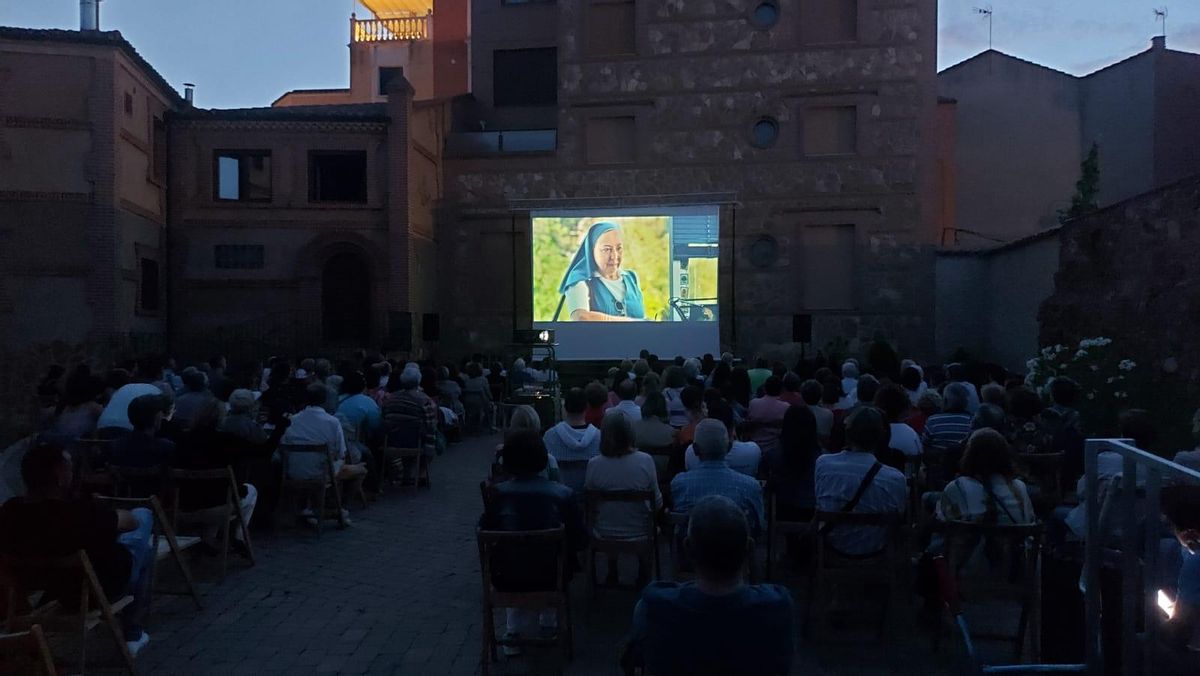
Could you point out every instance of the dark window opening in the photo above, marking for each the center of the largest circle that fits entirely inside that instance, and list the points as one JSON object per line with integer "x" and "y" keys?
{"x": 242, "y": 175}
{"x": 826, "y": 21}
{"x": 386, "y": 75}
{"x": 128, "y": 104}
{"x": 238, "y": 256}
{"x": 337, "y": 176}
{"x": 525, "y": 77}
{"x": 159, "y": 148}
{"x": 148, "y": 296}
{"x": 612, "y": 27}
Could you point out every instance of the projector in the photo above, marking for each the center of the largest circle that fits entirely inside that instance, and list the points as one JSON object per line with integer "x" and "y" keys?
{"x": 533, "y": 336}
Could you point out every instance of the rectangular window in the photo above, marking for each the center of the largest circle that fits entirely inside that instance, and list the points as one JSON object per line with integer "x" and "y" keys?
{"x": 159, "y": 148}
{"x": 831, "y": 130}
{"x": 386, "y": 75}
{"x": 525, "y": 77}
{"x": 337, "y": 176}
{"x": 148, "y": 291}
{"x": 611, "y": 140}
{"x": 238, "y": 256}
{"x": 242, "y": 175}
{"x": 129, "y": 104}
{"x": 611, "y": 27}
{"x": 826, "y": 21}
{"x": 829, "y": 267}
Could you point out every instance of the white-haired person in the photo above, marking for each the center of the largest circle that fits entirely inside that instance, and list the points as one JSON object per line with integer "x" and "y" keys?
{"x": 713, "y": 476}
{"x": 850, "y": 376}
{"x": 410, "y": 419}
{"x": 526, "y": 418}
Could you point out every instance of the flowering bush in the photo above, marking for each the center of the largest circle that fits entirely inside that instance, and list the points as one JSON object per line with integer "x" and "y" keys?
{"x": 1103, "y": 378}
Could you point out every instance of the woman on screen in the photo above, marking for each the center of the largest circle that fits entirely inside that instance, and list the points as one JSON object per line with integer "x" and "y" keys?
{"x": 595, "y": 288}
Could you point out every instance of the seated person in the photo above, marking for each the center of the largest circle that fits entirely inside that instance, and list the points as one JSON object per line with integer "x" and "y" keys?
{"x": 743, "y": 456}
{"x": 142, "y": 447}
{"x": 841, "y": 477}
{"x": 626, "y": 392}
{"x": 717, "y": 624}
{"x": 597, "y": 403}
{"x": 529, "y": 501}
{"x": 410, "y": 418}
{"x": 1181, "y": 507}
{"x": 987, "y": 490}
{"x": 765, "y": 414}
{"x": 652, "y": 431}
{"x": 314, "y": 425}
{"x": 713, "y": 476}
{"x": 50, "y": 522}
{"x": 791, "y": 476}
{"x": 573, "y": 438}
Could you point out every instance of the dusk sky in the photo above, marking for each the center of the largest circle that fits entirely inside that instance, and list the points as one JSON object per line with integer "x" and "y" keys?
{"x": 248, "y": 52}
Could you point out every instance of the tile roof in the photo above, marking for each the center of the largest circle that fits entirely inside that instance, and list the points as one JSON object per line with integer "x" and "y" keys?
{"x": 352, "y": 112}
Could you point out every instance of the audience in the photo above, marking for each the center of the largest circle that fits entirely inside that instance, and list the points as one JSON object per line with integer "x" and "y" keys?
{"x": 850, "y": 377}
{"x": 78, "y": 412}
{"x": 791, "y": 477}
{"x": 957, "y": 374}
{"x": 987, "y": 490}
{"x": 811, "y": 392}
{"x": 314, "y": 425}
{"x": 626, "y": 393}
{"x": 652, "y": 431}
{"x": 712, "y": 475}
{"x": 525, "y": 418}
{"x": 717, "y": 624}
{"x": 141, "y": 446}
{"x": 743, "y": 456}
{"x": 912, "y": 378}
{"x": 195, "y": 396}
{"x": 1181, "y": 507}
{"x": 693, "y": 401}
{"x": 893, "y": 401}
{"x": 573, "y": 438}
{"x": 765, "y": 414}
{"x": 114, "y": 420}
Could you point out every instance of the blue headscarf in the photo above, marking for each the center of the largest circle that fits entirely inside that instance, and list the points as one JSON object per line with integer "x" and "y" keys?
{"x": 583, "y": 269}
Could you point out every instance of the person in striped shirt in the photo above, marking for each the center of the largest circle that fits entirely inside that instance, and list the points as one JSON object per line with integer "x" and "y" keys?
{"x": 949, "y": 428}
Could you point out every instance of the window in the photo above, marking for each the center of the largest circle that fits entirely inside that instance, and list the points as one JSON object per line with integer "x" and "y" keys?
{"x": 242, "y": 175}
{"x": 337, "y": 176}
{"x": 764, "y": 133}
{"x": 831, "y": 130}
{"x": 386, "y": 75}
{"x": 238, "y": 256}
{"x": 148, "y": 293}
{"x": 611, "y": 27}
{"x": 611, "y": 140}
{"x": 525, "y": 77}
{"x": 159, "y": 148}
{"x": 765, "y": 15}
{"x": 825, "y": 21}
{"x": 828, "y": 267}
{"x": 129, "y": 104}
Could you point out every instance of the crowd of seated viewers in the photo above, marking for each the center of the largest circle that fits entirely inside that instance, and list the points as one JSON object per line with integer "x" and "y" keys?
{"x": 703, "y": 436}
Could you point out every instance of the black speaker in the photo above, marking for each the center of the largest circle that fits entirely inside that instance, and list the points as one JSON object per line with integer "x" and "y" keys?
{"x": 400, "y": 330}
{"x": 801, "y": 328}
{"x": 430, "y": 326}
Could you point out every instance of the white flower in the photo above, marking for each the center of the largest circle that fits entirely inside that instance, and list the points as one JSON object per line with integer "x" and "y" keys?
{"x": 1031, "y": 364}
{"x": 1094, "y": 367}
{"x": 1091, "y": 395}
{"x": 1126, "y": 364}
{"x": 1060, "y": 348}
{"x": 1110, "y": 380}
{"x": 1080, "y": 354}
{"x": 1120, "y": 395}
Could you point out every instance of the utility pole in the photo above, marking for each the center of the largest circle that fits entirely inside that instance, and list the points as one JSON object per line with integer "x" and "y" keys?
{"x": 986, "y": 12}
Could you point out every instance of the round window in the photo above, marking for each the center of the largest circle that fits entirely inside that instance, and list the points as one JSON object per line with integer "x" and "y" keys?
{"x": 766, "y": 130}
{"x": 763, "y": 251}
{"x": 765, "y": 15}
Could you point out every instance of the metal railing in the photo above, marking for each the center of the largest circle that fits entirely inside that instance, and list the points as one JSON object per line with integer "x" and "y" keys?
{"x": 477, "y": 143}
{"x": 388, "y": 30}
{"x": 1136, "y": 464}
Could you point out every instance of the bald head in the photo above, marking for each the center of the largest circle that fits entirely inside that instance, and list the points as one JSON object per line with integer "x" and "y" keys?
{"x": 711, "y": 441}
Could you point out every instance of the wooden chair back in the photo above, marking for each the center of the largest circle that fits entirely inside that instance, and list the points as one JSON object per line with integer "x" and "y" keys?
{"x": 645, "y": 547}
{"x": 173, "y": 548}
{"x": 832, "y": 566}
{"x": 572, "y": 473}
{"x": 26, "y": 652}
{"x": 138, "y": 482}
{"x": 777, "y": 527}
{"x": 181, "y": 478}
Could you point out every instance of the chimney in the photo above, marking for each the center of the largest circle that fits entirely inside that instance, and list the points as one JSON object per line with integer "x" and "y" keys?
{"x": 188, "y": 88}
{"x": 1158, "y": 43}
{"x": 89, "y": 15}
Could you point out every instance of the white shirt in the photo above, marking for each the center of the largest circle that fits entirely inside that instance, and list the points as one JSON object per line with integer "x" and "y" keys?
{"x": 824, "y": 420}
{"x": 631, "y": 472}
{"x": 578, "y": 297}
{"x": 1109, "y": 464}
{"x": 627, "y": 408}
{"x": 314, "y": 425}
{"x": 743, "y": 457}
{"x": 116, "y": 413}
{"x": 905, "y": 439}
{"x": 837, "y": 477}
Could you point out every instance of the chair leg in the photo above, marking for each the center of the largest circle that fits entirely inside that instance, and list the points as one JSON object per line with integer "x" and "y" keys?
{"x": 770, "y": 572}
{"x": 591, "y": 554}
{"x": 244, "y": 528}
{"x": 1022, "y": 625}
{"x": 320, "y": 510}
{"x": 114, "y": 628}
{"x": 177, "y": 554}
{"x": 225, "y": 546}
{"x": 569, "y": 629}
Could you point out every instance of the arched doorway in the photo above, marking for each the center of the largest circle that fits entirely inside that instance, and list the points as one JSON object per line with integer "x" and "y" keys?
{"x": 346, "y": 299}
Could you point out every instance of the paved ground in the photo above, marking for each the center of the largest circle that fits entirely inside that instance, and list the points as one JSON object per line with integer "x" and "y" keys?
{"x": 398, "y": 593}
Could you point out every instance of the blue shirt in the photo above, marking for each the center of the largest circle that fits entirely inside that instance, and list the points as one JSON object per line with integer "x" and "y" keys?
{"x": 683, "y": 630}
{"x": 360, "y": 408}
{"x": 946, "y": 430}
{"x": 716, "y": 477}
{"x": 1189, "y": 579}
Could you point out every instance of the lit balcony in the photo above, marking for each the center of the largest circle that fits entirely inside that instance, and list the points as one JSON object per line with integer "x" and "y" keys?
{"x": 394, "y": 20}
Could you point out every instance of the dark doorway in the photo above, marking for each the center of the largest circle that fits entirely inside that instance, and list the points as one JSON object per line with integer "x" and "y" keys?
{"x": 346, "y": 299}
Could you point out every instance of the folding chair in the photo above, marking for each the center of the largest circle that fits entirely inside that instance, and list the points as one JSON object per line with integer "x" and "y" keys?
{"x": 662, "y": 465}
{"x": 401, "y": 454}
{"x": 22, "y": 577}
{"x": 833, "y": 568}
{"x": 644, "y": 547}
{"x": 26, "y": 652}
{"x": 355, "y": 434}
{"x": 227, "y": 514}
{"x": 89, "y": 461}
{"x": 138, "y": 482}
{"x": 490, "y": 542}
{"x": 777, "y": 527}
{"x": 679, "y": 566}
{"x": 170, "y": 546}
{"x": 319, "y": 479}
{"x": 1017, "y": 550}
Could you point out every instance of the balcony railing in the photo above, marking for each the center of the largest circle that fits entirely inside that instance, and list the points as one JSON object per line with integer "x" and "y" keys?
{"x": 479, "y": 143}
{"x": 389, "y": 30}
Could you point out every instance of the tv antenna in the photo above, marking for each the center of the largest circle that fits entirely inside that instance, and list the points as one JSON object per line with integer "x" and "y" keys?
{"x": 1161, "y": 15}
{"x": 986, "y": 12}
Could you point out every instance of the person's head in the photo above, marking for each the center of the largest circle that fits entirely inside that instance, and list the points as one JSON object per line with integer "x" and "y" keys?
{"x": 146, "y": 412}
{"x": 474, "y": 370}
{"x": 353, "y": 383}
{"x": 986, "y": 455}
{"x": 315, "y": 394}
{"x": 574, "y": 403}
{"x": 651, "y": 383}
{"x": 773, "y": 386}
{"x": 216, "y": 362}
{"x": 308, "y": 364}
{"x": 322, "y": 368}
{"x": 241, "y": 401}
{"x": 518, "y": 364}
{"x": 792, "y": 382}
{"x": 626, "y": 365}
{"x": 994, "y": 394}
{"x": 727, "y": 359}
{"x": 1136, "y": 425}
{"x": 718, "y": 539}
{"x": 956, "y": 372}
{"x": 955, "y": 398}
{"x": 596, "y": 394}
{"x": 720, "y": 410}
{"x": 524, "y": 454}
{"x": 850, "y": 370}
{"x": 868, "y": 387}
{"x": 643, "y": 354}
{"x": 739, "y": 381}
{"x": 641, "y": 368}
{"x": 608, "y": 250}
{"x": 150, "y": 369}
{"x": 1024, "y": 403}
{"x": 989, "y": 416}
{"x": 194, "y": 379}
{"x": 674, "y": 377}
{"x": 930, "y": 402}
{"x": 798, "y": 437}
{"x": 524, "y": 417}
{"x": 893, "y": 400}
{"x": 692, "y": 398}
{"x": 373, "y": 376}
{"x": 627, "y": 390}
{"x": 207, "y": 417}
{"x": 911, "y": 378}
{"x": 47, "y": 470}
{"x": 1064, "y": 391}
{"x": 1181, "y": 506}
{"x": 616, "y": 435}
{"x": 864, "y": 429}
{"x": 720, "y": 375}
{"x": 711, "y": 441}
{"x": 811, "y": 391}
{"x": 691, "y": 369}
{"x": 831, "y": 392}
{"x": 824, "y": 374}
{"x": 655, "y": 406}
{"x": 410, "y": 377}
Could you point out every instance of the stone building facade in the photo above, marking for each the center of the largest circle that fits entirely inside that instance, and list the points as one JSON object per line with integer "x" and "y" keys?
{"x": 663, "y": 103}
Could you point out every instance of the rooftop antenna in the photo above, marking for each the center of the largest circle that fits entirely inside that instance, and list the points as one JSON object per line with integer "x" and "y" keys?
{"x": 986, "y": 12}
{"x": 1161, "y": 15}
